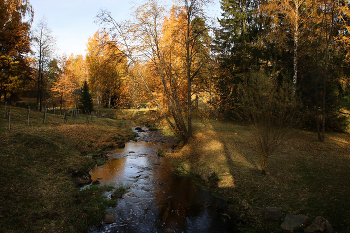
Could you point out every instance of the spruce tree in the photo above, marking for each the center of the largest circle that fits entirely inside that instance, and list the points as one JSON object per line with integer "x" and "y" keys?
{"x": 85, "y": 100}
{"x": 236, "y": 46}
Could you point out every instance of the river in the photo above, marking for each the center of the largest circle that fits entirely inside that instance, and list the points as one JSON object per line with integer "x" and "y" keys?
{"x": 157, "y": 200}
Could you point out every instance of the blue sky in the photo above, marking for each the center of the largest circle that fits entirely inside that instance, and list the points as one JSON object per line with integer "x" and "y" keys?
{"x": 72, "y": 21}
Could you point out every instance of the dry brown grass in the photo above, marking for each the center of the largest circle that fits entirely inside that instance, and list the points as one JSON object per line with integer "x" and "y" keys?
{"x": 304, "y": 176}
{"x": 36, "y": 191}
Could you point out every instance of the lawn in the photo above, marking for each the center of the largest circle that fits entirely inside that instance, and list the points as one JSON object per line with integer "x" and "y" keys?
{"x": 303, "y": 177}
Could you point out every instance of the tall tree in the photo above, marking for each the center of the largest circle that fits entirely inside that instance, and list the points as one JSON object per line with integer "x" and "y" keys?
{"x": 333, "y": 25}
{"x": 94, "y": 52}
{"x": 106, "y": 67}
{"x": 289, "y": 17}
{"x": 239, "y": 47}
{"x": 193, "y": 10}
{"x": 144, "y": 42}
{"x": 15, "y": 21}
{"x": 68, "y": 84}
{"x": 43, "y": 44}
{"x": 141, "y": 42}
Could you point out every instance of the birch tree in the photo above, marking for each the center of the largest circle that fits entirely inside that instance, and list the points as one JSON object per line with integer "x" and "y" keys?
{"x": 289, "y": 16}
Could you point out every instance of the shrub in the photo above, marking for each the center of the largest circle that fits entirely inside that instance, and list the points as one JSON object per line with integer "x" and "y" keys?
{"x": 271, "y": 108}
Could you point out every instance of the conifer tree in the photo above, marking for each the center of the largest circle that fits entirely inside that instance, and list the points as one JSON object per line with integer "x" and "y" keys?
{"x": 85, "y": 99}
{"x": 236, "y": 44}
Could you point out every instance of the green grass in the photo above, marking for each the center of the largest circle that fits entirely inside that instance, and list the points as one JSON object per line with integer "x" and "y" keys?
{"x": 304, "y": 176}
{"x": 37, "y": 193}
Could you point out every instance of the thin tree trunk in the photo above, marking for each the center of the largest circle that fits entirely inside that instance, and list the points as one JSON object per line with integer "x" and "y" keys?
{"x": 28, "y": 114}
{"x": 98, "y": 97}
{"x": 5, "y": 108}
{"x": 188, "y": 67}
{"x": 328, "y": 38}
{"x": 296, "y": 39}
{"x": 61, "y": 102}
{"x": 324, "y": 93}
{"x": 316, "y": 99}
{"x": 45, "y": 110}
{"x": 10, "y": 120}
{"x": 39, "y": 97}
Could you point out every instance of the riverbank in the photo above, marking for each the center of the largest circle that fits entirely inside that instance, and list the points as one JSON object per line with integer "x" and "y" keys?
{"x": 37, "y": 193}
{"x": 304, "y": 177}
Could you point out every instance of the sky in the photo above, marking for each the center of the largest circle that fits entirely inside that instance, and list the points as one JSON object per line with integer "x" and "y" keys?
{"x": 73, "y": 21}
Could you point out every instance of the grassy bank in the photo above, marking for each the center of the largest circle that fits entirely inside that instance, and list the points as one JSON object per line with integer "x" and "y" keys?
{"x": 37, "y": 193}
{"x": 303, "y": 177}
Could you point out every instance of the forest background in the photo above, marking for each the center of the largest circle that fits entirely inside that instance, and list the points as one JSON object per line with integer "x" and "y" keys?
{"x": 173, "y": 59}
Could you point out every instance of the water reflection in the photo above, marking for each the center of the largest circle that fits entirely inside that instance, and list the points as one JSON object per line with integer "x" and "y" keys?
{"x": 158, "y": 200}
{"x": 113, "y": 168}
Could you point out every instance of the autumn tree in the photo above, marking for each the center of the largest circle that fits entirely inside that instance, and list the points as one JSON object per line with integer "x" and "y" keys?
{"x": 144, "y": 42}
{"x": 15, "y": 21}
{"x": 43, "y": 48}
{"x": 68, "y": 84}
{"x": 106, "y": 68}
{"x": 195, "y": 29}
{"x": 333, "y": 30}
{"x": 53, "y": 72}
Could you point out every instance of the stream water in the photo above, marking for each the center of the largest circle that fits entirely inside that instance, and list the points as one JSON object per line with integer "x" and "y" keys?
{"x": 157, "y": 200}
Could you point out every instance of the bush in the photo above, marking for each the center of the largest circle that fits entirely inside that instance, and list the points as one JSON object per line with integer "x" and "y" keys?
{"x": 271, "y": 108}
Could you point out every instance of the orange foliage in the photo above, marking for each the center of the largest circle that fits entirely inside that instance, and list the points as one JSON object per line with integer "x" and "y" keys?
{"x": 70, "y": 80}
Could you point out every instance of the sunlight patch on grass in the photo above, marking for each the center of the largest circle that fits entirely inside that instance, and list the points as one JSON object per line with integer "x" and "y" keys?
{"x": 341, "y": 141}
{"x": 214, "y": 146}
{"x": 226, "y": 181}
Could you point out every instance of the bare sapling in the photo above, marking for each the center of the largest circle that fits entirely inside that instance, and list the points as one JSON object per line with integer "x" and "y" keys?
{"x": 271, "y": 110}
{"x": 75, "y": 116}
{"x": 28, "y": 114}
{"x": 64, "y": 117}
{"x": 87, "y": 118}
{"x": 10, "y": 120}
{"x": 5, "y": 109}
{"x": 45, "y": 113}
